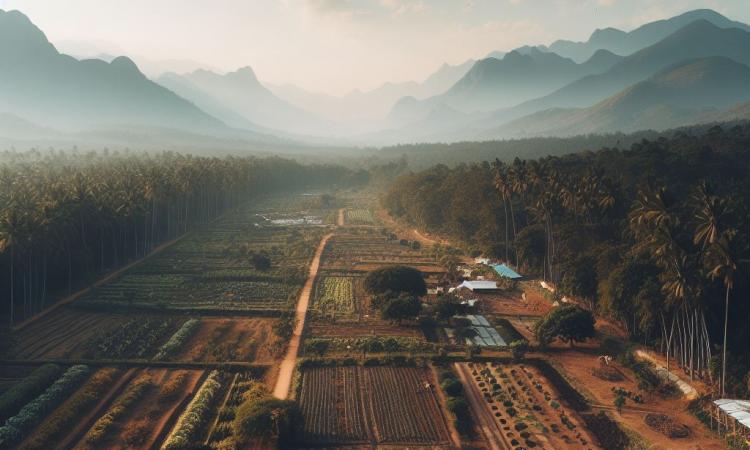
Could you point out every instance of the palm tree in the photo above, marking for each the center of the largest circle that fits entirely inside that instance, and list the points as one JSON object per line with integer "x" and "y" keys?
{"x": 502, "y": 186}
{"x": 723, "y": 265}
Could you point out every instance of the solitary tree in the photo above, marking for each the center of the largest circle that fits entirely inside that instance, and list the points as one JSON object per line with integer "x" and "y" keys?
{"x": 569, "y": 323}
{"x": 396, "y": 279}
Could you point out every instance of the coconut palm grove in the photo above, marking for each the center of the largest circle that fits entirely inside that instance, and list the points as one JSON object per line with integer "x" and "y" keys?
{"x": 542, "y": 244}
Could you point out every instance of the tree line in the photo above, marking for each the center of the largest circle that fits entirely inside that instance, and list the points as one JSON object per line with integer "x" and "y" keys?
{"x": 66, "y": 217}
{"x": 654, "y": 236}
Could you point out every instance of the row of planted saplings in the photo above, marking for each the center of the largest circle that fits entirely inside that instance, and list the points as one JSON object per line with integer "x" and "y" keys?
{"x": 517, "y": 395}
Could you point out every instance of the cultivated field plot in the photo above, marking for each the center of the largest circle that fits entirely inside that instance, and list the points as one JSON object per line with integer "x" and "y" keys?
{"x": 363, "y": 250}
{"x": 359, "y": 216}
{"x": 378, "y": 405}
{"x": 73, "y": 334}
{"x": 338, "y": 294}
{"x": 213, "y": 270}
{"x": 143, "y": 412}
{"x": 232, "y": 339}
{"x": 520, "y": 408}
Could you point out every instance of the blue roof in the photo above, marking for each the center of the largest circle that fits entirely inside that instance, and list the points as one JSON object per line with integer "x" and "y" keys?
{"x": 506, "y": 271}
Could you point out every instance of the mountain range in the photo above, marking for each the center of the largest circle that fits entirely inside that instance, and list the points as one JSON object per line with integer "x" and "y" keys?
{"x": 692, "y": 68}
{"x": 48, "y": 88}
{"x": 625, "y": 43}
{"x": 683, "y": 93}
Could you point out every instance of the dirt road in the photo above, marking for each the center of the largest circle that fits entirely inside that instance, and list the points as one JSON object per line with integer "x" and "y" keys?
{"x": 286, "y": 370}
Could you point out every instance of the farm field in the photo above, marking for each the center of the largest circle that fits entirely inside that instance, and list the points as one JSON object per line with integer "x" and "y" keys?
{"x": 378, "y": 405}
{"x": 518, "y": 407}
{"x": 359, "y": 216}
{"x": 232, "y": 339}
{"x": 350, "y": 254}
{"x": 69, "y": 333}
{"x": 210, "y": 270}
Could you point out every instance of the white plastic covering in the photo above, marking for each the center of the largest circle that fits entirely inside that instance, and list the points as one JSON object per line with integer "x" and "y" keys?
{"x": 737, "y": 409}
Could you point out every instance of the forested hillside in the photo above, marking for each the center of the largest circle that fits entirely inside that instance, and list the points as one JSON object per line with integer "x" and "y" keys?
{"x": 654, "y": 236}
{"x": 66, "y": 217}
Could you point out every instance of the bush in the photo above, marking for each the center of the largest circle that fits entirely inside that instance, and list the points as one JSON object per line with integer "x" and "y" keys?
{"x": 458, "y": 406}
{"x": 519, "y": 349}
{"x": 396, "y": 279}
{"x": 452, "y": 387}
{"x": 259, "y": 418}
{"x": 28, "y": 388}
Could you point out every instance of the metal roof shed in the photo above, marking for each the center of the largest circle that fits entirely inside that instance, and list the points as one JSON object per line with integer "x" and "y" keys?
{"x": 507, "y": 272}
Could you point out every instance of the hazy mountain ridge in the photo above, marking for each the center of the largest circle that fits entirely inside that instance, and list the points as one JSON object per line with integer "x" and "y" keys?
{"x": 48, "y": 88}
{"x": 675, "y": 97}
{"x": 373, "y": 105}
{"x": 626, "y": 43}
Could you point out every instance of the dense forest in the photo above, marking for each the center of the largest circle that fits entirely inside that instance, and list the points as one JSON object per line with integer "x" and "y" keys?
{"x": 421, "y": 156}
{"x": 654, "y": 236}
{"x": 66, "y": 217}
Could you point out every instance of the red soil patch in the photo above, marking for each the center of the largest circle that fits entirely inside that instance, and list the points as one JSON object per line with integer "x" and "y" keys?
{"x": 578, "y": 366}
{"x": 233, "y": 339}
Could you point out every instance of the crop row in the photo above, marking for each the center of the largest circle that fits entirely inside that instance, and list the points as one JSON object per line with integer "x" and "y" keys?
{"x": 337, "y": 403}
{"x": 31, "y": 386}
{"x": 36, "y": 410}
{"x": 243, "y": 388}
{"x": 178, "y": 339}
{"x": 133, "y": 339}
{"x": 106, "y": 422}
{"x": 195, "y": 415}
{"x": 359, "y": 216}
{"x": 64, "y": 418}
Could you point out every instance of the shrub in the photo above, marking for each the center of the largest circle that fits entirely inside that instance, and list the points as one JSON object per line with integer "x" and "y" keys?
{"x": 518, "y": 349}
{"x": 260, "y": 417}
{"x": 317, "y": 346}
{"x": 22, "y": 392}
{"x": 458, "y": 406}
{"x": 452, "y": 387}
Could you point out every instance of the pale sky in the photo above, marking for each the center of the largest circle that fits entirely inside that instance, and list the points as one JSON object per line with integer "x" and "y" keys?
{"x": 335, "y": 46}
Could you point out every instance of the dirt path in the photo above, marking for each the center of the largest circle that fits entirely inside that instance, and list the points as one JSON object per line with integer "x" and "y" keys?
{"x": 340, "y": 219}
{"x": 485, "y": 422}
{"x": 286, "y": 370}
{"x": 86, "y": 422}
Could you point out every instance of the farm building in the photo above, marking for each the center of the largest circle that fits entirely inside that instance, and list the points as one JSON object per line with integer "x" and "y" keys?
{"x": 478, "y": 286}
{"x": 507, "y": 272}
{"x": 733, "y": 416}
{"x": 486, "y": 335}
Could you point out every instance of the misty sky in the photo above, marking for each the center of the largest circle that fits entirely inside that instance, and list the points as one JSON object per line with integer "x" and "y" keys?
{"x": 334, "y": 45}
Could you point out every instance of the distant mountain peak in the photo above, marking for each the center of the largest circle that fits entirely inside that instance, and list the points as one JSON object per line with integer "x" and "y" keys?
{"x": 247, "y": 71}
{"x": 125, "y": 63}
{"x": 19, "y": 37}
